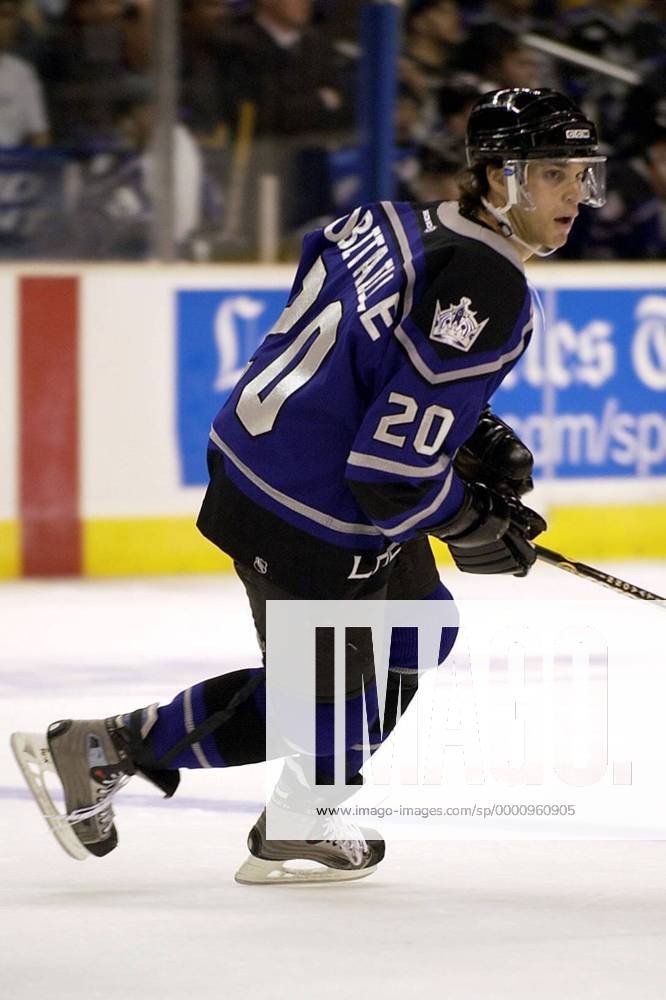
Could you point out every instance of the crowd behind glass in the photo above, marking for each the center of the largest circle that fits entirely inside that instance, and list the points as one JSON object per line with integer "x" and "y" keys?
{"x": 268, "y": 93}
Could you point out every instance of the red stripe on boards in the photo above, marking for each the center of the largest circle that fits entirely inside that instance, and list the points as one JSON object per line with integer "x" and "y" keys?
{"x": 49, "y": 418}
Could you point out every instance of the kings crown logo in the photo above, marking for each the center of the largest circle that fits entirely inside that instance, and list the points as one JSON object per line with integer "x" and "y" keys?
{"x": 456, "y": 326}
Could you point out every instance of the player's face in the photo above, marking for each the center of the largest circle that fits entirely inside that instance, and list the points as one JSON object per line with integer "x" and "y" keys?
{"x": 556, "y": 190}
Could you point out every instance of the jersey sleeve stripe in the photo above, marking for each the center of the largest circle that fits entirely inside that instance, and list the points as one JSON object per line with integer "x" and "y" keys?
{"x": 438, "y": 378}
{"x": 405, "y": 250}
{"x": 360, "y": 459}
{"x": 318, "y": 516}
{"x": 422, "y": 515}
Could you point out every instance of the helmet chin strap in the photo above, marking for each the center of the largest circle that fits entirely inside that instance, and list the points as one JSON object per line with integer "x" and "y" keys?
{"x": 500, "y": 215}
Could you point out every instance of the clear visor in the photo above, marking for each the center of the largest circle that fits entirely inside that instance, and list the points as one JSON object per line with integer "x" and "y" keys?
{"x": 584, "y": 176}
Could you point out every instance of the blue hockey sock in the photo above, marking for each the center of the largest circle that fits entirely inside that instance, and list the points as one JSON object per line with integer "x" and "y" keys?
{"x": 216, "y": 723}
{"x": 404, "y": 642}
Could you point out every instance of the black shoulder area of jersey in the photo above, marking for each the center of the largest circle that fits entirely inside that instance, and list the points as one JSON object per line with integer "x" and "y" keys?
{"x": 466, "y": 273}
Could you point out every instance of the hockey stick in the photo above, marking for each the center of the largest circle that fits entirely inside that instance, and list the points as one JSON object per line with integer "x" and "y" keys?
{"x": 597, "y": 576}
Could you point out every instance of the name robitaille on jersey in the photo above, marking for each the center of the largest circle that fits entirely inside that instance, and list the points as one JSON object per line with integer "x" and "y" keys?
{"x": 402, "y": 321}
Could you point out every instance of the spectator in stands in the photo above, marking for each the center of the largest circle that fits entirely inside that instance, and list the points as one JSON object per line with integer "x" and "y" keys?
{"x": 116, "y": 212}
{"x": 438, "y": 176}
{"x": 454, "y": 103}
{"x": 433, "y": 30}
{"x": 289, "y": 71}
{"x": 137, "y": 25}
{"x": 631, "y": 225}
{"x": 517, "y": 16}
{"x": 407, "y": 120}
{"x": 135, "y": 119}
{"x": 340, "y": 22}
{"x": 498, "y": 58}
{"x": 435, "y": 177}
{"x": 29, "y": 33}
{"x": 204, "y": 68}
{"x": 409, "y": 133}
{"x": 626, "y": 33}
{"x": 293, "y": 98}
{"x": 51, "y": 8}
{"x": 94, "y": 51}
{"x": 629, "y": 32}
{"x": 23, "y": 120}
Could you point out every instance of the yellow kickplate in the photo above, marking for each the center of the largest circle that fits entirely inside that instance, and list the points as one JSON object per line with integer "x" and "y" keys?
{"x": 139, "y": 546}
{"x": 603, "y": 532}
{"x": 143, "y": 546}
{"x": 607, "y": 531}
{"x": 10, "y": 559}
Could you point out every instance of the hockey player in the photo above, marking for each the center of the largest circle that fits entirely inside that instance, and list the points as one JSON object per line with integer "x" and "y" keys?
{"x": 360, "y": 427}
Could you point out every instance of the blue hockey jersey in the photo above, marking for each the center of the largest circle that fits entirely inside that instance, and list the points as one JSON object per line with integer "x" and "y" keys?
{"x": 402, "y": 321}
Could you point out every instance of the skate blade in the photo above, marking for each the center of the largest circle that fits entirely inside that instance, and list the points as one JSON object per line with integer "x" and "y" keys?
{"x": 34, "y": 759}
{"x": 257, "y": 871}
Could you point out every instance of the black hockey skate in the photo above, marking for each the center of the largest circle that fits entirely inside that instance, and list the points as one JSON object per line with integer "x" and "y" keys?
{"x": 93, "y": 760}
{"x": 347, "y": 853}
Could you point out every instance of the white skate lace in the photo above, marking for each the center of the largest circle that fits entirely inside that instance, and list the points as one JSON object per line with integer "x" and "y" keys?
{"x": 107, "y": 789}
{"x": 348, "y": 837}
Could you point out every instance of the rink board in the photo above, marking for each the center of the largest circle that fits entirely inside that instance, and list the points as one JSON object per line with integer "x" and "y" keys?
{"x": 111, "y": 375}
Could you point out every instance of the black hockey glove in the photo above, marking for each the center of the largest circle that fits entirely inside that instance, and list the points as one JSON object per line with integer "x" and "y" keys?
{"x": 495, "y": 456}
{"x": 492, "y": 534}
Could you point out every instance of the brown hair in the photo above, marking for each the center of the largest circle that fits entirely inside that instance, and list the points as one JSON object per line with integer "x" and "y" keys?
{"x": 473, "y": 184}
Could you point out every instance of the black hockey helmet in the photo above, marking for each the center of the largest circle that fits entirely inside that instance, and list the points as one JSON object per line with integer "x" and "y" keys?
{"x": 521, "y": 124}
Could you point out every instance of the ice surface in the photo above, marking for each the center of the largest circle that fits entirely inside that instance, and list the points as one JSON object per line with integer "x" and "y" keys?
{"x": 162, "y": 919}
